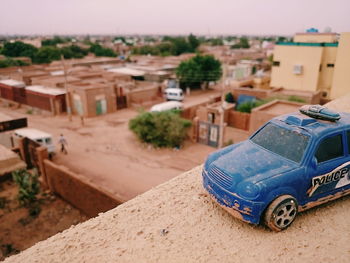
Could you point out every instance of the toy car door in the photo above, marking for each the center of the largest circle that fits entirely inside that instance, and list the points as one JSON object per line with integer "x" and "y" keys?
{"x": 331, "y": 167}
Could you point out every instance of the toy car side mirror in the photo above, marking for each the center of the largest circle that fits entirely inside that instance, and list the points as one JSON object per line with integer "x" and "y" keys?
{"x": 314, "y": 162}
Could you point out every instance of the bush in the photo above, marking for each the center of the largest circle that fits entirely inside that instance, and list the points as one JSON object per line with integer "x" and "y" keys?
{"x": 229, "y": 98}
{"x": 29, "y": 188}
{"x": 296, "y": 99}
{"x": 247, "y": 106}
{"x": 161, "y": 129}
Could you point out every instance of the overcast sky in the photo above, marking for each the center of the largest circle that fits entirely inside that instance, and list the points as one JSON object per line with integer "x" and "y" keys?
{"x": 172, "y": 16}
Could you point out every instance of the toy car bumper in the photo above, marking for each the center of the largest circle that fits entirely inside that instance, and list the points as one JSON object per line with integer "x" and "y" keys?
{"x": 242, "y": 209}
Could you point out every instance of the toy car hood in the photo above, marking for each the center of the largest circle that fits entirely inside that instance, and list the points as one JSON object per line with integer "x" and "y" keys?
{"x": 250, "y": 162}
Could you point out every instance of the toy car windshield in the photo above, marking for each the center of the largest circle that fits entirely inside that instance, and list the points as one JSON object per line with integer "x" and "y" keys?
{"x": 286, "y": 143}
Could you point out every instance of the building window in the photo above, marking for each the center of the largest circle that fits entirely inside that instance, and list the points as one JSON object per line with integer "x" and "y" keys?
{"x": 330, "y": 65}
{"x": 320, "y": 68}
{"x": 276, "y": 63}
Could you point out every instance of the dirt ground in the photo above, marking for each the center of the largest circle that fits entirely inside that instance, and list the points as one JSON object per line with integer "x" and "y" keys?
{"x": 110, "y": 155}
{"x": 19, "y": 231}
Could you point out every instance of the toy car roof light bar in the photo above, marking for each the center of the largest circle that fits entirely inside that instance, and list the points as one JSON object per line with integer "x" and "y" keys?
{"x": 319, "y": 112}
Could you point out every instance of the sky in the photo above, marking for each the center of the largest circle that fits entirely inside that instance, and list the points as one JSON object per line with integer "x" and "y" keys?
{"x": 201, "y": 17}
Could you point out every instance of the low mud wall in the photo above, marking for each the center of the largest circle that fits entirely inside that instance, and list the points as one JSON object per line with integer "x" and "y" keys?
{"x": 239, "y": 120}
{"x": 77, "y": 190}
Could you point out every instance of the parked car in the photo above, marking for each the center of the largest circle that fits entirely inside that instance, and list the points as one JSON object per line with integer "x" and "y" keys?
{"x": 43, "y": 138}
{"x": 169, "y": 105}
{"x": 292, "y": 163}
{"x": 173, "y": 94}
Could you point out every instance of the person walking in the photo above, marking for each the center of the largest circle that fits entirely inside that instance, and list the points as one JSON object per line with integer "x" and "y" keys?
{"x": 63, "y": 143}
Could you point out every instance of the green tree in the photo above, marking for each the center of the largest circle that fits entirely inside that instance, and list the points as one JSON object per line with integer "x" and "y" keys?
{"x": 243, "y": 43}
{"x": 53, "y": 42}
{"x": 73, "y": 51}
{"x": 216, "y": 42}
{"x": 47, "y": 54}
{"x": 170, "y": 46}
{"x": 161, "y": 129}
{"x": 19, "y": 49}
{"x": 9, "y": 62}
{"x": 198, "y": 70}
{"x": 193, "y": 42}
{"x": 100, "y": 51}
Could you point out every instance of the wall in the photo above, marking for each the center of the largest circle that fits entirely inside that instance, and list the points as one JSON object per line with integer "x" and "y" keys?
{"x": 315, "y": 37}
{"x": 239, "y": 120}
{"x": 266, "y": 112}
{"x": 258, "y": 93}
{"x": 326, "y": 74}
{"x": 234, "y": 135}
{"x": 77, "y": 190}
{"x": 39, "y": 101}
{"x": 88, "y": 99}
{"x": 142, "y": 95}
{"x": 288, "y": 56}
{"x": 341, "y": 78}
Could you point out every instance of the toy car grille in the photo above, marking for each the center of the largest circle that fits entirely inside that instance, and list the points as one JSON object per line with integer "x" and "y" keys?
{"x": 219, "y": 177}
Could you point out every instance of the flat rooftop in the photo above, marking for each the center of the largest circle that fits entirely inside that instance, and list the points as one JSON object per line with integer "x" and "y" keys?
{"x": 279, "y": 107}
{"x": 46, "y": 90}
{"x": 127, "y": 71}
{"x": 4, "y": 117}
{"x": 32, "y": 133}
{"x": 9, "y": 161}
{"x": 12, "y": 83}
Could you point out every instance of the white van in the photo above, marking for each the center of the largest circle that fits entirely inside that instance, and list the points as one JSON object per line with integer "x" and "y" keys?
{"x": 169, "y": 105}
{"x": 174, "y": 94}
{"x": 41, "y": 137}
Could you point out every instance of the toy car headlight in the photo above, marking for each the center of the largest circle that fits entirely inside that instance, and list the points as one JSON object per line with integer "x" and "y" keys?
{"x": 248, "y": 190}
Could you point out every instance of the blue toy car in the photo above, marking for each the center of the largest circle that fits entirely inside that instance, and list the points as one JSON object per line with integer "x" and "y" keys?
{"x": 292, "y": 163}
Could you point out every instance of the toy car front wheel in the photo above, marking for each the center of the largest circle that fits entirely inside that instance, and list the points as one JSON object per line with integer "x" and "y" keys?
{"x": 281, "y": 212}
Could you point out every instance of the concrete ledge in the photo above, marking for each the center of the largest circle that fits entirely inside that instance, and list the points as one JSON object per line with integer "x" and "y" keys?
{"x": 178, "y": 222}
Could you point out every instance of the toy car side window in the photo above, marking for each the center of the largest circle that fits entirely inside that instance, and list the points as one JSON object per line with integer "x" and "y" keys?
{"x": 329, "y": 148}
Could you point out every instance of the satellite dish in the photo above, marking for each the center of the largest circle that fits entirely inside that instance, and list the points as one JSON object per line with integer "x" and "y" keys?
{"x": 327, "y": 29}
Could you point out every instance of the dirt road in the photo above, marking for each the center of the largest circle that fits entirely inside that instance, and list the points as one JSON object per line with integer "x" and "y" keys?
{"x": 105, "y": 151}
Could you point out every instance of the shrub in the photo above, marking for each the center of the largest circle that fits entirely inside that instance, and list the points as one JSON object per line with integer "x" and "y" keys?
{"x": 247, "y": 106}
{"x": 29, "y": 188}
{"x": 161, "y": 129}
{"x": 229, "y": 98}
{"x": 296, "y": 99}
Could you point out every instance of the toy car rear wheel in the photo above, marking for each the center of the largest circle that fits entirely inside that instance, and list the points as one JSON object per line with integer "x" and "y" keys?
{"x": 281, "y": 213}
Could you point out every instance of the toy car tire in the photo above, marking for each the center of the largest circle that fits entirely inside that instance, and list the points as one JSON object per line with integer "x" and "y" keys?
{"x": 281, "y": 213}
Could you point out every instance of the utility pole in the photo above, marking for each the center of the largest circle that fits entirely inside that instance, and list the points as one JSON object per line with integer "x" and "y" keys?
{"x": 69, "y": 109}
{"x": 222, "y": 108}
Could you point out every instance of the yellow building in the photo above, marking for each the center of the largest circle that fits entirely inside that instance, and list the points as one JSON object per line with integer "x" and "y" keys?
{"x": 313, "y": 62}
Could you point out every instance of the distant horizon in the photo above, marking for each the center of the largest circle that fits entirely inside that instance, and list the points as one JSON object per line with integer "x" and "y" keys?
{"x": 180, "y": 17}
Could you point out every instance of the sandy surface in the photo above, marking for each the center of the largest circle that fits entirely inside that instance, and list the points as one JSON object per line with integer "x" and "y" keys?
{"x": 178, "y": 222}
{"x": 340, "y": 104}
{"x": 105, "y": 151}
